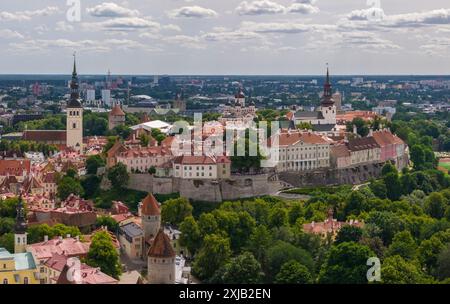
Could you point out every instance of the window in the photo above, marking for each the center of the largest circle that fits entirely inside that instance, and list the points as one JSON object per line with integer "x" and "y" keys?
{"x": 25, "y": 280}
{"x": 5, "y": 281}
{"x": 74, "y": 125}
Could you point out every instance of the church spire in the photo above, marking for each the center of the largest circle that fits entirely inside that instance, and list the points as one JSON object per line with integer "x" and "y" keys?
{"x": 74, "y": 73}
{"x": 327, "y": 98}
{"x": 21, "y": 221}
{"x": 74, "y": 101}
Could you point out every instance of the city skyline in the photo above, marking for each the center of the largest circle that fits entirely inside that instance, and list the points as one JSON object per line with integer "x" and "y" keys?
{"x": 198, "y": 37}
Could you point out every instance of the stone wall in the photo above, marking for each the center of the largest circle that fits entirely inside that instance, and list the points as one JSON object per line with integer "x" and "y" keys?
{"x": 331, "y": 177}
{"x": 141, "y": 182}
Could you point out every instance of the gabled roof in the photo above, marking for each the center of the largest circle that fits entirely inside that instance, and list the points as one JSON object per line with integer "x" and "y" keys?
{"x": 150, "y": 206}
{"x": 364, "y": 143}
{"x": 161, "y": 246}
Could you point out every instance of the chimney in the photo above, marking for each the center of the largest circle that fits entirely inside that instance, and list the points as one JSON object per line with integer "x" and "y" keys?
{"x": 60, "y": 238}
{"x": 45, "y": 238}
{"x": 371, "y": 132}
{"x": 77, "y": 238}
{"x": 355, "y": 130}
{"x": 68, "y": 236}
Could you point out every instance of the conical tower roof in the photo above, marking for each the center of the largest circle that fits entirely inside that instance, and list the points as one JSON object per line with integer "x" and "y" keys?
{"x": 150, "y": 206}
{"x": 161, "y": 246}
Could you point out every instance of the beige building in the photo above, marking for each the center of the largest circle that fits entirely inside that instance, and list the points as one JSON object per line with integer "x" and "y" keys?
{"x": 131, "y": 239}
{"x": 364, "y": 150}
{"x": 202, "y": 167}
{"x": 301, "y": 151}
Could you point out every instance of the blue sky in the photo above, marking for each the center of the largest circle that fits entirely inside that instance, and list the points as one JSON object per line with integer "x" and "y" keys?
{"x": 295, "y": 37}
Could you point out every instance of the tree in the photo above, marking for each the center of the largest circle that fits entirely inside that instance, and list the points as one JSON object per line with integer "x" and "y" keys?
{"x": 7, "y": 241}
{"x": 349, "y": 234}
{"x": 293, "y": 272}
{"x": 388, "y": 168}
{"x": 396, "y": 270}
{"x": 93, "y": 163}
{"x": 152, "y": 170}
{"x": 214, "y": 254}
{"x": 243, "y": 269}
{"x": 174, "y": 211}
{"x": 355, "y": 203}
{"x": 190, "y": 234}
{"x": 103, "y": 254}
{"x": 207, "y": 224}
{"x": 403, "y": 245}
{"x": 443, "y": 264}
{"x": 278, "y": 217}
{"x": 6, "y": 225}
{"x": 282, "y": 252}
{"x": 346, "y": 264}
{"x": 435, "y": 205}
{"x": 387, "y": 223}
{"x": 361, "y": 126}
{"x": 67, "y": 186}
{"x": 118, "y": 176}
{"x": 91, "y": 185}
{"x": 258, "y": 243}
{"x": 378, "y": 187}
{"x": 393, "y": 186}
{"x": 295, "y": 212}
{"x": 108, "y": 222}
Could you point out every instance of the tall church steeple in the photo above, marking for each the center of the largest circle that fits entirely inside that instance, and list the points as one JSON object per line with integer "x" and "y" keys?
{"x": 327, "y": 98}
{"x": 74, "y": 101}
{"x": 74, "y": 130}
{"x": 20, "y": 228}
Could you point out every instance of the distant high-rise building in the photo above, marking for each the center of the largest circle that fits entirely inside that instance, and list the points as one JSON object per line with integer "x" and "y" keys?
{"x": 106, "y": 97}
{"x": 337, "y": 97}
{"x": 90, "y": 96}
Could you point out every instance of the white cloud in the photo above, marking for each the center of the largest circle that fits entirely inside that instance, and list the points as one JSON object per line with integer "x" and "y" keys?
{"x": 302, "y": 8}
{"x": 124, "y": 24}
{"x": 110, "y": 9}
{"x": 192, "y": 42}
{"x": 231, "y": 36}
{"x": 193, "y": 12}
{"x": 376, "y": 17}
{"x": 285, "y": 27}
{"x": 171, "y": 27}
{"x": 62, "y": 26}
{"x": 28, "y": 15}
{"x": 261, "y": 7}
{"x": 10, "y": 34}
{"x": 87, "y": 45}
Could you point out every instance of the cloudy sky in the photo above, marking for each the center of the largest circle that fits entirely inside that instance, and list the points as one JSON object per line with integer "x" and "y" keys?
{"x": 295, "y": 37}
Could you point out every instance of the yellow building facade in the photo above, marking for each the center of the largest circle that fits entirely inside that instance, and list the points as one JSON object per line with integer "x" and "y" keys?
{"x": 18, "y": 268}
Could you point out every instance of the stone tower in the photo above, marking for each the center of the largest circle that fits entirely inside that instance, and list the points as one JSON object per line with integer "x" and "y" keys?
{"x": 161, "y": 260}
{"x": 151, "y": 217}
{"x": 74, "y": 128}
{"x": 327, "y": 105}
{"x": 20, "y": 228}
{"x": 116, "y": 117}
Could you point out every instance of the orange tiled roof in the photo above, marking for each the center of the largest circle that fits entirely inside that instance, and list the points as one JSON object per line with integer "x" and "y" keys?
{"x": 150, "y": 206}
{"x": 161, "y": 246}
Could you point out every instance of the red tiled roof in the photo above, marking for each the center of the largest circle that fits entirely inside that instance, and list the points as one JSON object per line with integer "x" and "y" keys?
{"x": 385, "y": 138}
{"x": 150, "y": 206}
{"x": 364, "y": 143}
{"x": 45, "y": 135}
{"x": 200, "y": 160}
{"x": 340, "y": 151}
{"x": 287, "y": 138}
{"x": 14, "y": 166}
{"x": 117, "y": 111}
{"x": 161, "y": 246}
